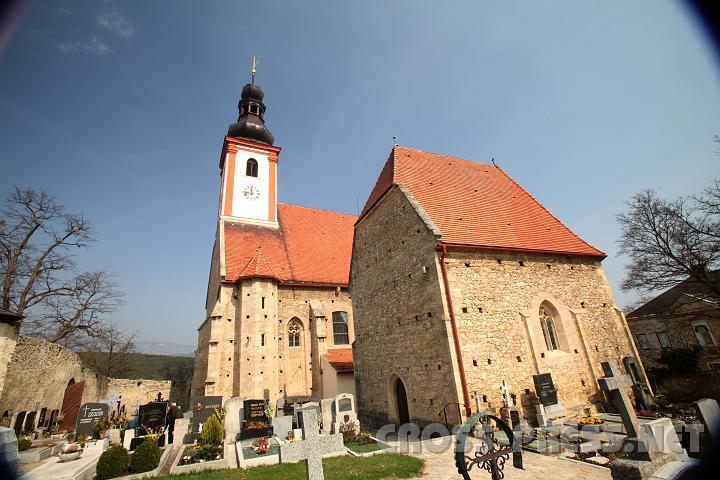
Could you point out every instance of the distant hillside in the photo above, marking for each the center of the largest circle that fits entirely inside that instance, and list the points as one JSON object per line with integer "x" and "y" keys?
{"x": 165, "y": 348}
{"x": 151, "y": 367}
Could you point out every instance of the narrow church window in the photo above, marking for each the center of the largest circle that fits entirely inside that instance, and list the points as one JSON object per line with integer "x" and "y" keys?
{"x": 262, "y": 340}
{"x": 251, "y": 168}
{"x": 340, "y": 328}
{"x": 548, "y": 325}
{"x": 294, "y": 331}
{"x": 262, "y": 304}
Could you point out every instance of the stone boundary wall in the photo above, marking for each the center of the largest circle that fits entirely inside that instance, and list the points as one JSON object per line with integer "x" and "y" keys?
{"x": 39, "y": 372}
{"x": 690, "y": 387}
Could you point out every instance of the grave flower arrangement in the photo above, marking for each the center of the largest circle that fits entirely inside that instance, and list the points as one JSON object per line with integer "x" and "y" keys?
{"x": 261, "y": 445}
{"x": 591, "y": 421}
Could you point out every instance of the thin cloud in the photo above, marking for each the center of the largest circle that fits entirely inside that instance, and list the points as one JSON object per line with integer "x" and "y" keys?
{"x": 93, "y": 46}
{"x": 114, "y": 21}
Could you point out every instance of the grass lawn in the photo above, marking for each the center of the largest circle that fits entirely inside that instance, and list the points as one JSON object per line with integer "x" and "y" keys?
{"x": 376, "y": 467}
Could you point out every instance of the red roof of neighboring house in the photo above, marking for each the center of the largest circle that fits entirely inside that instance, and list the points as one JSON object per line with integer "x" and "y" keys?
{"x": 341, "y": 359}
{"x": 311, "y": 246}
{"x": 476, "y": 204}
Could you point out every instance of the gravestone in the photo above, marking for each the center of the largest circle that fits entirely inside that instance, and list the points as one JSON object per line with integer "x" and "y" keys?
{"x": 88, "y": 416}
{"x": 615, "y": 384}
{"x": 52, "y": 423}
{"x": 30, "y": 422}
{"x": 312, "y": 448}
{"x": 327, "y": 406}
{"x": 41, "y": 418}
{"x": 233, "y": 418}
{"x": 255, "y": 423}
{"x": 307, "y": 406}
{"x": 710, "y": 416}
{"x": 152, "y": 416}
{"x": 344, "y": 411}
{"x": 9, "y": 445}
{"x": 545, "y": 389}
{"x": 203, "y": 408}
{"x": 19, "y": 421}
{"x": 282, "y": 425}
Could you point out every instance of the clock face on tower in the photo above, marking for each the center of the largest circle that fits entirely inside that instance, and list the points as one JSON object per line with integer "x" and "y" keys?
{"x": 251, "y": 192}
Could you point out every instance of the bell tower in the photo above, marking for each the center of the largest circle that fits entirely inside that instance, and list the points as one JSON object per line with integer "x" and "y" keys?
{"x": 248, "y": 164}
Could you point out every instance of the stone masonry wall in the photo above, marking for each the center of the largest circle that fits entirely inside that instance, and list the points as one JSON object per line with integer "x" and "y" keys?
{"x": 497, "y": 296}
{"x": 134, "y": 392}
{"x": 38, "y": 373}
{"x": 401, "y": 322}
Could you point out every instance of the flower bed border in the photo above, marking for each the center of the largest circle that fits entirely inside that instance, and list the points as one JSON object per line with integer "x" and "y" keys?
{"x": 387, "y": 449}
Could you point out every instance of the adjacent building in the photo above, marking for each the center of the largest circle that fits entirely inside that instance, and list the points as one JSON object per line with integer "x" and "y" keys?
{"x": 685, "y": 316}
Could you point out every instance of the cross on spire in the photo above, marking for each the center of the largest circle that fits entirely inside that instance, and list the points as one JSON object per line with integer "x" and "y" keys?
{"x": 254, "y": 69}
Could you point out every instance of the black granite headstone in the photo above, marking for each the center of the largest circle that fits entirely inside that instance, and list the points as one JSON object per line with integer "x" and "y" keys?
{"x": 203, "y": 408}
{"x": 152, "y": 416}
{"x": 545, "y": 389}
{"x": 255, "y": 423}
{"x": 514, "y": 417}
{"x": 88, "y": 416}
{"x": 41, "y": 418}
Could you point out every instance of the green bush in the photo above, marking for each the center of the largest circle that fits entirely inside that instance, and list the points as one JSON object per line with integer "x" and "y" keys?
{"x": 681, "y": 360}
{"x": 113, "y": 462}
{"x": 24, "y": 444}
{"x": 212, "y": 432}
{"x": 146, "y": 457}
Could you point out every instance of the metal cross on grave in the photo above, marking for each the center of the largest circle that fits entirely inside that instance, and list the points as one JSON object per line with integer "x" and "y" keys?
{"x": 313, "y": 447}
{"x": 615, "y": 384}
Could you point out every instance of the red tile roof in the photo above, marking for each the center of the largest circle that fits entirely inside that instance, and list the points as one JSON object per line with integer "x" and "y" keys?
{"x": 476, "y": 204}
{"x": 341, "y": 359}
{"x": 311, "y": 246}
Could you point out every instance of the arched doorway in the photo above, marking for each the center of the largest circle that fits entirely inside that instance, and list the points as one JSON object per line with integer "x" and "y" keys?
{"x": 401, "y": 402}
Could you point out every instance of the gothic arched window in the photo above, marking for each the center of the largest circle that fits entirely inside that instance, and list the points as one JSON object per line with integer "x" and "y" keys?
{"x": 251, "y": 168}
{"x": 294, "y": 333}
{"x": 548, "y": 326}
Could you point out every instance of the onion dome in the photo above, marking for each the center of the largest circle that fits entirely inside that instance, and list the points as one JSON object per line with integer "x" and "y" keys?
{"x": 250, "y": 124}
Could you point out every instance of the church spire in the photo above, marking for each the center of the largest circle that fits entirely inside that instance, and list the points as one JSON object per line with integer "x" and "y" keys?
{"x": 251, "y": 123}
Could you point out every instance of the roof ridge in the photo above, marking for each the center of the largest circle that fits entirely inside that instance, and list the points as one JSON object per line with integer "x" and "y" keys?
{"x": 471, "y": 162}
{"x": 317, "y": 209}
{"x": 548, "y": 211}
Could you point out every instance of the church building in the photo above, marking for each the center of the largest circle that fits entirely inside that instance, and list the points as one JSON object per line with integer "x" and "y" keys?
{"x": 461, "y": 280}
{"x": 278, "y": 318}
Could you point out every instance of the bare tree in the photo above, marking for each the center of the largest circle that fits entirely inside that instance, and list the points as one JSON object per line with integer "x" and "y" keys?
{"x": 669, "y": 241}
{"x": 37, "y": 240}
{"x": 111, "y": 353}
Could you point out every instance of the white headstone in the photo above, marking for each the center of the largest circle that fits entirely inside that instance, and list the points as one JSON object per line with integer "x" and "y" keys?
{"x": 710, "y": 416}
{"x": 9, "y": 445}
{"x": 233, "y": 418}
{"x": 328, "y": 405}
{"x": 129, "y": 435}
{"x": 661, "y": 436}
{"x": 282, "y": 425}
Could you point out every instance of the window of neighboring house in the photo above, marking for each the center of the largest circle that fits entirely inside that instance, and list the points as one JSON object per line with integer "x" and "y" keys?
{"x": 341, "y": 334}
{"x": 548, "y": 326}
{"x": 294, "y": 333}
{"x": 251, "y": 168}
{"x": 642, "y": 341}
{"x": 714, "y": 368}
{"x": 703, "y": 335}
{"x": 664, "y": 339}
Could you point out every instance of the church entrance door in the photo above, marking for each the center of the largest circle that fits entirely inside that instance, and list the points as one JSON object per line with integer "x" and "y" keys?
{"x": 401, "y": 402}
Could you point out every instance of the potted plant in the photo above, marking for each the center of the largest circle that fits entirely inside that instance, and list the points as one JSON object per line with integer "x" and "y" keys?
{"x": 101, "y": 427}
{"x": 269, "y": 411}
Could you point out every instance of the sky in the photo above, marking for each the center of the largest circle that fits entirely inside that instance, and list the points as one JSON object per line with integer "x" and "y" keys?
{"x": 119, "y": 108}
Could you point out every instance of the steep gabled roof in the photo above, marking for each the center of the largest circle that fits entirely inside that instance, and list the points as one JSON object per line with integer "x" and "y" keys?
{"x": 311, "y": 246}
{"x": 476, "y": 204}
{"x": 666, "y": 301}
